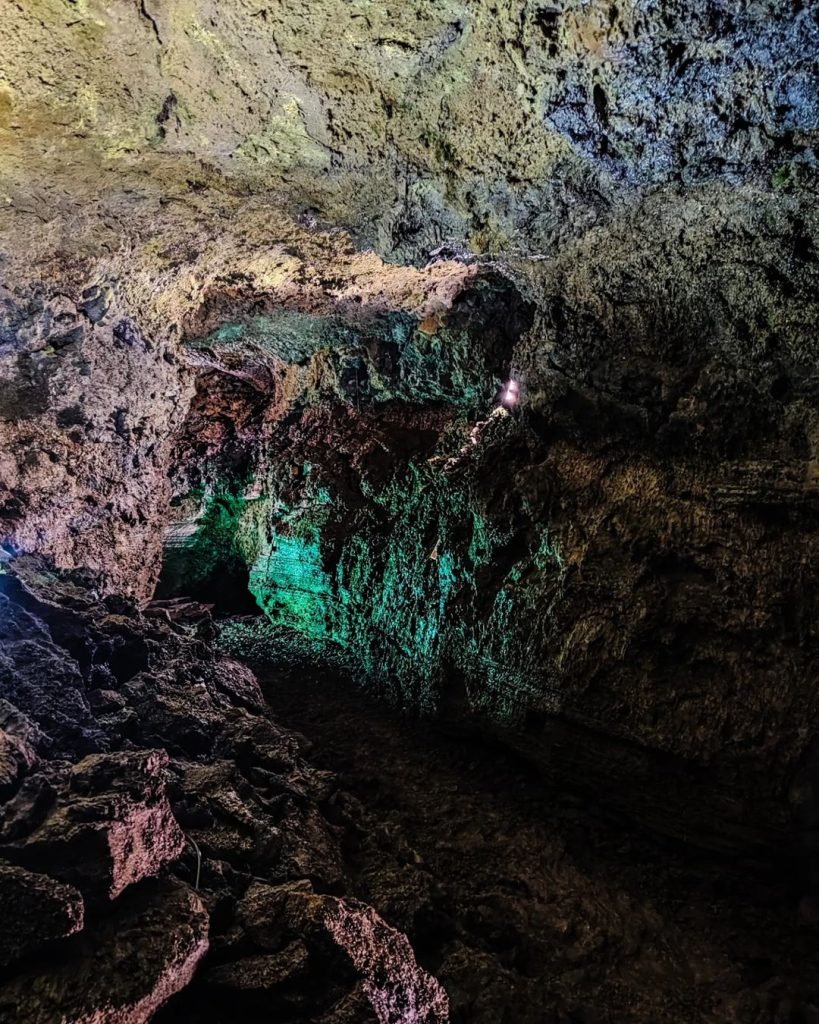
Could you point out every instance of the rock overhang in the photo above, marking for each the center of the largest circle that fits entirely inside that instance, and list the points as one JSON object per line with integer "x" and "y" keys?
{"x": 644, "y": 175}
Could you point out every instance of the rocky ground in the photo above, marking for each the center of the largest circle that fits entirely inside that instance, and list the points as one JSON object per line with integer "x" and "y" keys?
{"x": 168, "y": 850}
{"x": 159, "y": 833}
{"x": 531, "y": 903}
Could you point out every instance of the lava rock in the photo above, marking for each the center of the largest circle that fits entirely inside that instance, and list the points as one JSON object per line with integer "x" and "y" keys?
{"x": 19, "y": 741}
{"x": 111, "y": 825}
{"x": 98, "y": 978}
{"x": 200, "y": 752}
{"x": 37, "y": 909}
{"x": 38, "y": 679}
{"x": 226, "y": 816}
{"x": 381, "y": 957}
{"x": 261, "y": 982}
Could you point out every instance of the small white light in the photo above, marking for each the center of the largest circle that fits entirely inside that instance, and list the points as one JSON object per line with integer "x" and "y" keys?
{"x": 510, "y": 394}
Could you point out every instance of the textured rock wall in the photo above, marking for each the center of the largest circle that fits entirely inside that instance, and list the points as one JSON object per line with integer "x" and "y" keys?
{"x": 631, "y": 550}
{"x": 531, "y": 578}
{"x": 634, "y": 548}
{"x": 95, "y": 387}
{"x": 88, "y": 404}
{"x": 499, "y": 125}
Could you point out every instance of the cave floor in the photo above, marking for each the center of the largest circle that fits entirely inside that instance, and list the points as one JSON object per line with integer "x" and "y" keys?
{"x": 530, "y": 905}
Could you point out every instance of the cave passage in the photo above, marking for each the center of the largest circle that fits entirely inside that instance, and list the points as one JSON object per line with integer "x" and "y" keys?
{"x": 494, "y": 873}
{"x": 330, "y": 467}
{"x": 409, "y": 512}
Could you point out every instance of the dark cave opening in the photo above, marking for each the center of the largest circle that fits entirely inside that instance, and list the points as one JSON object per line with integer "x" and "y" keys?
{"x": 224, "y": 588}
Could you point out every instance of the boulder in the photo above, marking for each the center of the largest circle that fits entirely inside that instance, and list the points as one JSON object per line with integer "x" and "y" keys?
{"x": 398, "y": 990}
{"x": 226, "y": 816}
{"x": 41, "y": 909}
{"x": 111, "y": 825}
{"x": 272, "y": 983}
{"x": 185, "y": 741}
{"x": 39, "y": 680}
{"x": 121, "y": 969}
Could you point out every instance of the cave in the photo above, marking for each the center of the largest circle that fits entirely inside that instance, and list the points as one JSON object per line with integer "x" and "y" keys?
{"x": 409, "y": 512}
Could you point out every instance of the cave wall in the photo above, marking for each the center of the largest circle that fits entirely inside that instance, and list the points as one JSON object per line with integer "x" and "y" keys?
{"x": 508, "y": 575}
{"x": 311, "y": 494}
{"x": 492, "y": 126}
{"x": 630, "y": 552}
{"x": 633, "y": 549}
{"x": 95, "y": 383}
{"x": 88, "y": 406}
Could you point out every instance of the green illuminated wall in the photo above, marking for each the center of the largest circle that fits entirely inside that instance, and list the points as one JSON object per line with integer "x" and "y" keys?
{"x": 418, "y": 585}
{"x": 419, "y": 567}
{"x": 456, "y": 359}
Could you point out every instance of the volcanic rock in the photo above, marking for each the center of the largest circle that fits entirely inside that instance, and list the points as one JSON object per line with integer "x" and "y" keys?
{"x": 111, "y": 825}
{"x": 96, "y": 828}
{"x": 475, "y": 342}
{"x": 41, "y": 909}
{"x": 97, "y": 978}
{"x": 381, "y": 957}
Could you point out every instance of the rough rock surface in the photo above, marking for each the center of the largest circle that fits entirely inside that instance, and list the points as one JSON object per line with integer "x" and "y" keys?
{"x": 110, "y": 824}
{"x": 615, "y": 573}
{"x": 99, "y": 980}
{"x": 38, "y": 909}
{"x": 91, "y": 404}
{"x": 199, "y": 332}
{"x": 382, "y": 956}
{"x": 191, "y": 779}
{"x": 492, "y": 124}
{"x": 611, "y": 207}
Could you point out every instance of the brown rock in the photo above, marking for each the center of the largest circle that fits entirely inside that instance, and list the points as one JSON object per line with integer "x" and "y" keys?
{"x": 226, "y": 816}
{"x": 261, "y": 911}
{"x": 20, "y": 740}
{"x": 111, "y": 826}
{"x": 262, "y": 972}
{"x": 40, "y": 908}
{"x": 398, "y": 990}
{"x": 354, "y": 1008}
{"x": 120, "y": 970}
